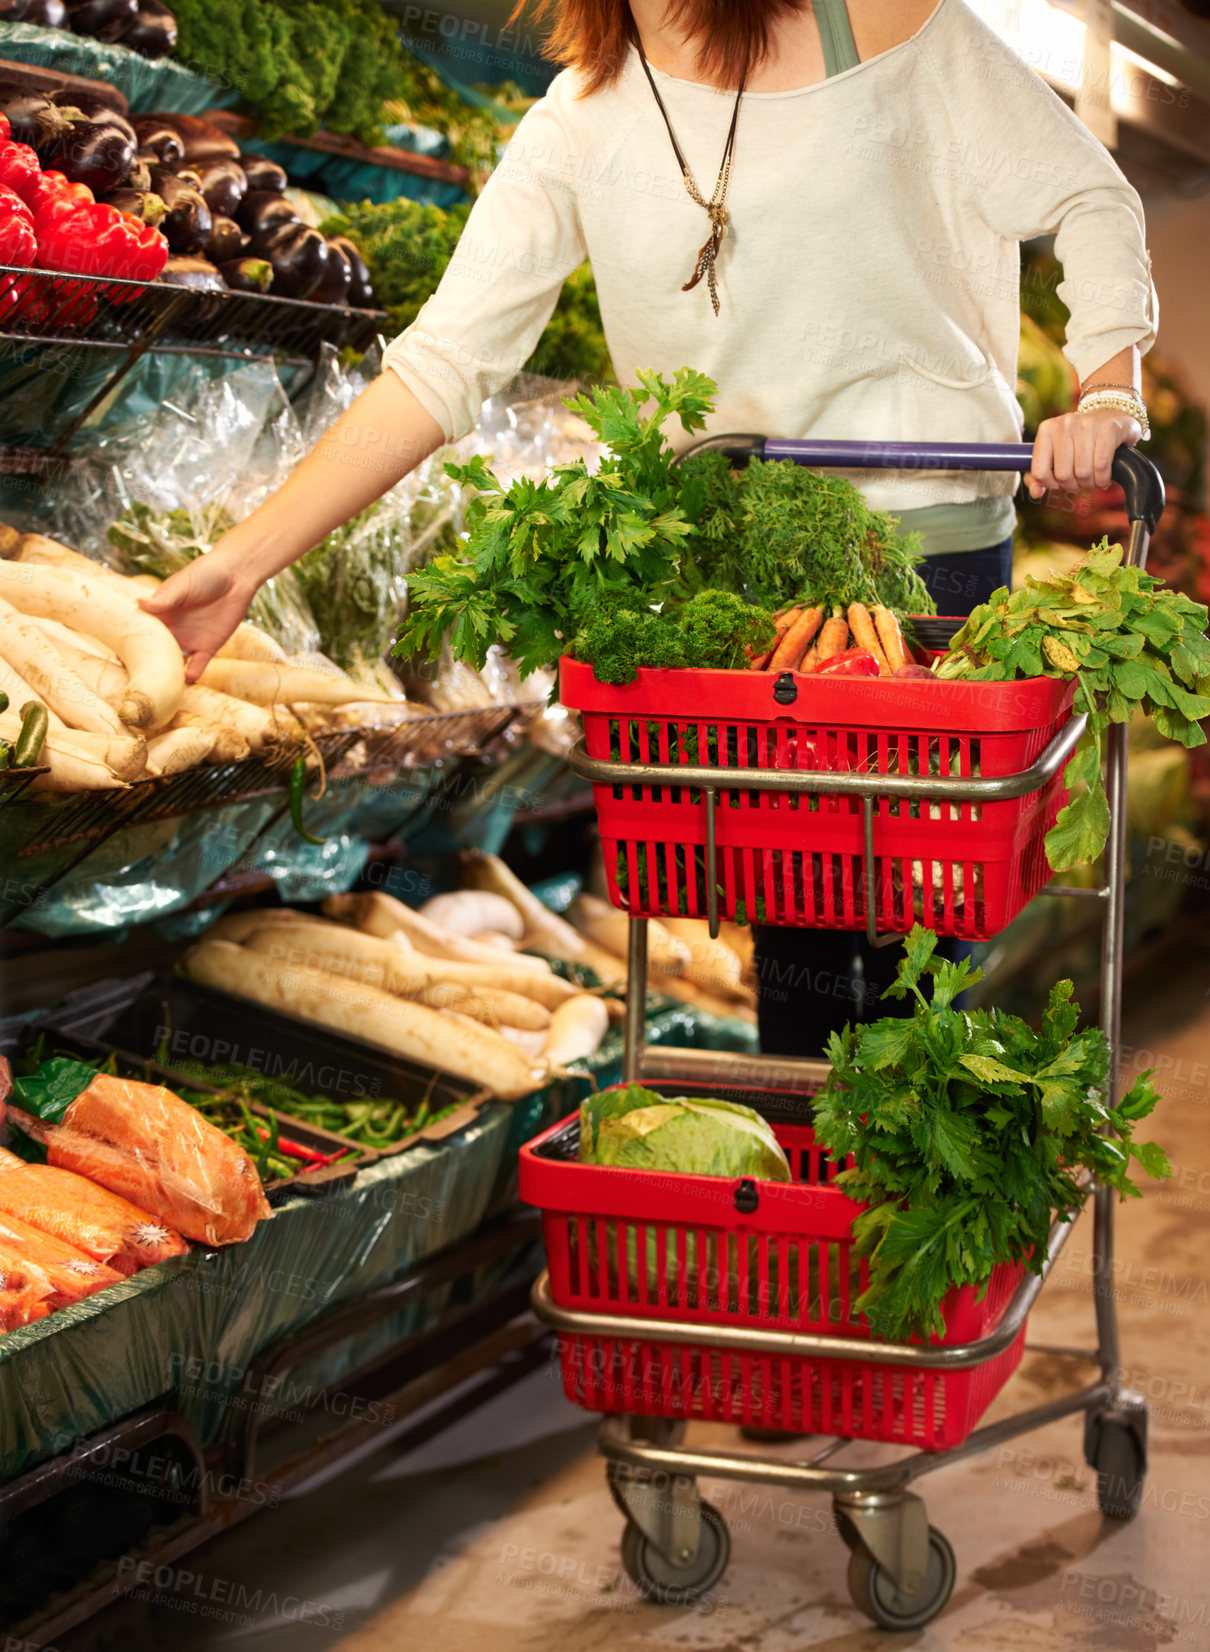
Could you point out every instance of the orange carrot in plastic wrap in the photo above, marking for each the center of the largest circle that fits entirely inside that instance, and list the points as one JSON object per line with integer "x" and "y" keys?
{"x": 153, "y": 1149}
{"x": 25, "y": 1293}
{"x": 72, "y": 1275}
{"x": 90, "y": 1217}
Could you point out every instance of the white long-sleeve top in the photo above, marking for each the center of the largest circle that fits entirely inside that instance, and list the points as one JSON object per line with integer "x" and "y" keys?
{"x": 869, "y": 275}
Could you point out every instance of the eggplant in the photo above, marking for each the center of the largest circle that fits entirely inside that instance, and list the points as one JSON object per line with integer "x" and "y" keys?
{"x": 14, "y": 11}
{"x": 361, "y": 292}
{"x": 247, "y": 275}
{"x": 32, "y": 116}
{"x": 263, "y": 174}
{"x": 261, "y": 210}
{"x": 47, "y": 14}
{"x": 223, "y": 185}
{"x": 198, "y": 273}
{"x": 299, "y": 255}
{"x": 153, "y": 31}
{"x": 77, "y": 106}
{"x": 337, "y": 277}
{"x": 102, "y": 19}
{"x": 143, "y": 204}
{"x": 187, "y": 222}
{"x": 91, "y": 152}
{"x": 203, "y": 140}
{"x": 159, "y": 138}
{"x": 227, "y": 241}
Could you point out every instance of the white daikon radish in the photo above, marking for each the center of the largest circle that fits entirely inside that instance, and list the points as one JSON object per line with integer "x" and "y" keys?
{"x": 146, "y": 648}
{"x": 486, "y": 1004}
{"x": 496, "y": 941}
{"x": 318, "y": 944}
{"x": 610, "y": 928}
{"x": 489, "y": 872}
{"x": 606, "y": 966}
{"x": 20, "y": 693}
{"x": 462, "y": 1047}
{"x": 59, "y": 688}
{"x": 533, "y": 1043}
{"x": 249, "y": 642}
{"x": 256, "y": 724}
{"x": 470, "y": 912}
{"x": 49, "y": 553}
{"x": 179, "y": 748}
{"x": 125, "y": 754}
{"x": 690, "y": 993}
{"x": 106, "y": 677}
{"x": 227, "y": 745}
{"x": 576, "y": 1029}
{"x": 712, "y": 964}
{"x": 382, "y": 915}
{"x": 268, "y": 684}
{"x": 237, "y": 926}
{"x": 78, "y": 640}
{"x": 71, "y": 769}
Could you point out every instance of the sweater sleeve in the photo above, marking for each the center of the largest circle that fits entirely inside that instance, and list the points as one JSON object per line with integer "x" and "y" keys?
{"x": 1034, "y": 169}
{"x": 521, "y": 241}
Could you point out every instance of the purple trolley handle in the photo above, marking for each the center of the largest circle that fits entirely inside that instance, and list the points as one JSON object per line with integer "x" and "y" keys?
{"x": 1135, "y": 474}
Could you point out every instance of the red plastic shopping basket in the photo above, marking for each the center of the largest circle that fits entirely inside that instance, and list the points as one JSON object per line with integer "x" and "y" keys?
{"x": 798, "y": 860}
{"x": 672, "y": 1247}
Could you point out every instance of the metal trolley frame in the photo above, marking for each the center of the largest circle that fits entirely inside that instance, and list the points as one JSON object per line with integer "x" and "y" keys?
{"x": 901, "y": 1570}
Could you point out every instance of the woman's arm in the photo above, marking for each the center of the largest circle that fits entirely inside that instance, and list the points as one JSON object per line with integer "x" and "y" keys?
{"x": 521, "y": 241}
{"x": 369, "y": 448}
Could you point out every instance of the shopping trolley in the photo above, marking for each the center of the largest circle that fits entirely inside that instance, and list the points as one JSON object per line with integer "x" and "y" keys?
{"x": 683, "y": 1298}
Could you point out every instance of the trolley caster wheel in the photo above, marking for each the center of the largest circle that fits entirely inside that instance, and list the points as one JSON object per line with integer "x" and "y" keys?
{"x": 1118, "y": 1458}
{"x": 669, "y": 1585}
{"x": 876, "y": 1594}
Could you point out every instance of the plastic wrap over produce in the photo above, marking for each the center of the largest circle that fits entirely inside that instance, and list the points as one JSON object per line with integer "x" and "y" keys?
{"x": 162, "y": 84}
{"x": 160, "y": 489}
{"x": 191, "y": 1327}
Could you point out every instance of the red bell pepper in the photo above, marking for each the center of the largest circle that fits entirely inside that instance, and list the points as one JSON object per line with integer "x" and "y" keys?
{"x": 92, "y": 238}
{"x": 53, "y": 186}
{"x": 19, "y": 169}
{"x": 17, "y": 243}
{"x": 854, "y": 662}
{"x": 6, "y": 131}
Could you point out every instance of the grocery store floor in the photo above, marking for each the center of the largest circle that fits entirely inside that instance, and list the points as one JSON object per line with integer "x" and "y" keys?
{"x": 499, "y": 1534}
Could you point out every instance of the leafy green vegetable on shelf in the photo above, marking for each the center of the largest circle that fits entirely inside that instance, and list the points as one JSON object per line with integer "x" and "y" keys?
{"x": 712, "y": 629}
{"x": 540, "y": 556}
{"x": 1130, "y": 643}
{"x": 967, "y": 1133}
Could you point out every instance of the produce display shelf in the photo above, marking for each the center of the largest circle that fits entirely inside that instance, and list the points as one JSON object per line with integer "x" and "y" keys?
{"x": 82, "y": 309}
{"x": 425, "y": 739}
{"x": 334, "y": 143}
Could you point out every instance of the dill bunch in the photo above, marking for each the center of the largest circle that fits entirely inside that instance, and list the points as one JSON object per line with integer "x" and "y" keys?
{"x": 778, "y": 533}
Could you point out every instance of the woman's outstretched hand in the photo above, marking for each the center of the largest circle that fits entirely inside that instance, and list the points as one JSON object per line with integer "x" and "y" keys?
{"x": 201, "y": 604}
{"x": 1075, "y": 451}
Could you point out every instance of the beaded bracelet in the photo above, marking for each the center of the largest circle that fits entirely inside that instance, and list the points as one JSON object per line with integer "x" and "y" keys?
{"x": 1112, "y": 399}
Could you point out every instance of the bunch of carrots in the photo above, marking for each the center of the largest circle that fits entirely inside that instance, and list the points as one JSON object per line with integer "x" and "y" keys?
{"x": 860, "y": 641}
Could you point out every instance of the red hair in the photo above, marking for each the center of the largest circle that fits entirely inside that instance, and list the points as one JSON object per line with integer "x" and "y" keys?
{"x": 592, "y": 35}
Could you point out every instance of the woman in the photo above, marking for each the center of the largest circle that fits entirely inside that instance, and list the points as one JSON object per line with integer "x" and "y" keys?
{"x": 819, "y": 208}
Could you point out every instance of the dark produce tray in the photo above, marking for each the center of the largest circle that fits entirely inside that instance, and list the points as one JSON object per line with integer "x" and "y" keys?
{"x": 130, "y": 1065}
{"x": 205, "y": 1025}
{"x": 75, "y": 309}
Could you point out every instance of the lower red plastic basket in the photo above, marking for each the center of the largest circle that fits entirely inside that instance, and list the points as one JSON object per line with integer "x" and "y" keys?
{"x": 964, "y": 869}
{"x": 675, "y": 1248}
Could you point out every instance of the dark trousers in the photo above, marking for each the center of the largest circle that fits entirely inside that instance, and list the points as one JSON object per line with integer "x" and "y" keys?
{"x": 811, "y": 982}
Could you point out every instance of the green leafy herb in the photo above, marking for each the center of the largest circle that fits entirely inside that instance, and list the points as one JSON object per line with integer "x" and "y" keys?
{"x": 712, "y": 629}
{"x": 542, "y": 555}
{"x": 1130, "y": 643}
{"x": 966, "y": 1133}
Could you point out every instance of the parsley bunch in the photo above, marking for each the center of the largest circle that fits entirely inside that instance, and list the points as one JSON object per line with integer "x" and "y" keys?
{"x": 1131, "y": 644}
{"x": 966, "y": 1134}
{"x": 713, "y": 629}
{"x": 540, "y": 556}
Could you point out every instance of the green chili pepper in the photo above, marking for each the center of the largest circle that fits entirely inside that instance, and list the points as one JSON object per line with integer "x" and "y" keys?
{"x": 34, "y": 723}
{"x": 3, "y": 700}
{"x": 298, "y": 786}
{"x": 6, "y": 755}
